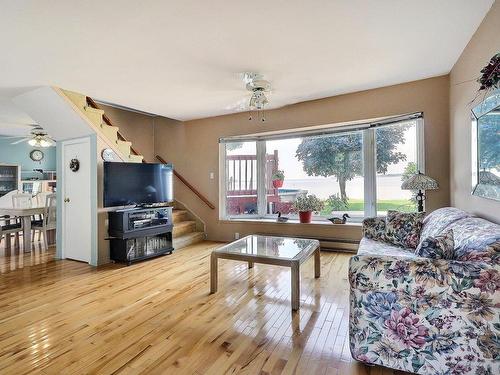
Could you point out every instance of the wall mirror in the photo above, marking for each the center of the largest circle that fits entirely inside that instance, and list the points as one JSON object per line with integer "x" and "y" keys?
{"x": 486, "y": 147}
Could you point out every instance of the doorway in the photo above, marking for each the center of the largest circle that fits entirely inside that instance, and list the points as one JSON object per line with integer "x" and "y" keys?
{"x": 27, "y": 183}
{"x": 76, "y": 200}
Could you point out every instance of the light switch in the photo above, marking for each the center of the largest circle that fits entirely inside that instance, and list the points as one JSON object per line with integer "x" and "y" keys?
{"x": 212, "y": 175}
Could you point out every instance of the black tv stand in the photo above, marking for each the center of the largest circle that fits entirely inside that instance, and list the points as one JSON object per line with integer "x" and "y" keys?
{"x": 140, "y": 233}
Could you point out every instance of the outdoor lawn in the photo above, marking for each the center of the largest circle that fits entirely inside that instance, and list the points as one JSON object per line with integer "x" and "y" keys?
{"x": 382, "y": 205}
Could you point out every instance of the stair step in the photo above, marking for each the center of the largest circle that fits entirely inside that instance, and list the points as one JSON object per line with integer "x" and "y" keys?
{"x": 78, "y": 99}
{"x": 135, "y": 158}
{"x": 179, "y": 215}
{"x": 109, "y": 131}
{"x": 188, "y": 239}
{"x": 93, "y": 110}
{"x": 124, "y": 147}
{"x": 184, "y": 227}
{"x": 94, "y": 115}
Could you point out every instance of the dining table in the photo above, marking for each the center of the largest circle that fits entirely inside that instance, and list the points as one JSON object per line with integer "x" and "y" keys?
{"x": 25, "y": 214}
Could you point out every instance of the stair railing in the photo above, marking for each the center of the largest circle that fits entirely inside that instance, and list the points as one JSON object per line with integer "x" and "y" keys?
{"x": 191, "y": 187}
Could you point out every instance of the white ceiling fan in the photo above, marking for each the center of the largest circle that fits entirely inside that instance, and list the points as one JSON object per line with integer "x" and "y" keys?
{"x": 37, "y": 138}
{"x": 259, "y": 89}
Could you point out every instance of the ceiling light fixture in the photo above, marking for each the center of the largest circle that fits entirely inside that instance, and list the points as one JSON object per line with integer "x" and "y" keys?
{"x": 258, "y": 100}
{"x": 38, "y": 138}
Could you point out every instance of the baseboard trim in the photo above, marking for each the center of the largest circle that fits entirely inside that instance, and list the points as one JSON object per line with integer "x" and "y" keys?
{"x": 330, "y": 243}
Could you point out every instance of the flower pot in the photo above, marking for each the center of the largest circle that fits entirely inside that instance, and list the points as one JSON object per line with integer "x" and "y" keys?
{"x": 277, "y": 183}
{"x": 305, "y": 216}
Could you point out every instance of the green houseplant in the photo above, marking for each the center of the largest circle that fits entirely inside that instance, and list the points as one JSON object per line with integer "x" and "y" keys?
{"x": 277, "y": 178}
{"x": 306, "y": 205}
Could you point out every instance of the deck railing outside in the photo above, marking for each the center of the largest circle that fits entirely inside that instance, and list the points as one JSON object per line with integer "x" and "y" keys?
{"x": 241, "y": 173}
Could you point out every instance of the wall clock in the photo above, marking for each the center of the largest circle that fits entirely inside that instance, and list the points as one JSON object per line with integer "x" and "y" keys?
{"x": 108, "y": 155}
{"x": 36, "y": 155}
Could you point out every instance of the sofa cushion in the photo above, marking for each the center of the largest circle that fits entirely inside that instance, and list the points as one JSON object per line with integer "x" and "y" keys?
{"x": 374, "y": 227}
{"x": 403, "y": 228}
{"x": 372, "y": 247}
{"x": 476, "y": 239}
{"x": 439, "y": 247}
{"x": 437, "y": 221}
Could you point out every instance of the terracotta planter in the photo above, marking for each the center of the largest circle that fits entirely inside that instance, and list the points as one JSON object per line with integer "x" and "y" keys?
{"x": 277, "y": 183}
{"x": 305, "y": 216}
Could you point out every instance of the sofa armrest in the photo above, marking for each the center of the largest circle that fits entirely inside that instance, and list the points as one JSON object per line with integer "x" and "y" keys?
{"x": 374, "y": 227}
{"x": 423, "y": 315}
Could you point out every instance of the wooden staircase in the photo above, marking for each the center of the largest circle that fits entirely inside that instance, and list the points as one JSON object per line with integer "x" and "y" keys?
{"x": 185, "y": 229}
{"x": 104, "y": 127}
{"x": 188, "y": 229}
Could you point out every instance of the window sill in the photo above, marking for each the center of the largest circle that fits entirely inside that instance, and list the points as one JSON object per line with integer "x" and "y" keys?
{"x": 289, "y": 222}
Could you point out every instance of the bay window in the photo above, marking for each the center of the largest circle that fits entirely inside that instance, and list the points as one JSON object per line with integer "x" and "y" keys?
{"x": 357, "y": 169}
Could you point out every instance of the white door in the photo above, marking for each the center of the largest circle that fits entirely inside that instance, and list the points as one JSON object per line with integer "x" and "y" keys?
{"x": 76, "y": 194}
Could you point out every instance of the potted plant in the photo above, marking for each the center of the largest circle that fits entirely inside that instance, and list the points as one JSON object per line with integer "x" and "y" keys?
{"x": 306, "y": 205}
{"x": 278, "y": 178}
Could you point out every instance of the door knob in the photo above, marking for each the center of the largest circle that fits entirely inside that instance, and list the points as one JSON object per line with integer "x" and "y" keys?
{"x": 66, "y": 200}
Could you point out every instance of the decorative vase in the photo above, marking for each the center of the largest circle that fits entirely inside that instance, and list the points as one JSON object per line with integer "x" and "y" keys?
{"x": 277, "y": 183}
{"x": 305, "y": 216}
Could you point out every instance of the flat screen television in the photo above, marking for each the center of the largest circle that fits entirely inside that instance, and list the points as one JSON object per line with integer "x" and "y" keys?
{"x": 137, "y": 183}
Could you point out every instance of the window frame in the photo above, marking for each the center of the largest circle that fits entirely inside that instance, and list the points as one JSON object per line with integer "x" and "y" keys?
{"x": 369, "y": 166}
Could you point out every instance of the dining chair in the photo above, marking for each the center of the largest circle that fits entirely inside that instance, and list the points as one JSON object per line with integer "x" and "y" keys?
{"x": 11, "y": 224}
{"x": 21, "y": 200}
{"x": 7, "y": 229}
{"x": 48, "y": 221}
{"x": 40, "y": 199}
{"x": 6, "y": 200}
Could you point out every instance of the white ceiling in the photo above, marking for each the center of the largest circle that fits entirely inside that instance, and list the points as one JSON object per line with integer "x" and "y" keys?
{"x": 182, "y": 59}
{"x": 13, "y": 121}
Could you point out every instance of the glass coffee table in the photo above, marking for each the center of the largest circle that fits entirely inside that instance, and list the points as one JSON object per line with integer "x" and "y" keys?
{"x": 278, "y": 251}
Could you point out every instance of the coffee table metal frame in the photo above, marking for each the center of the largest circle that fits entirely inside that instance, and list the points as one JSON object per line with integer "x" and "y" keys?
{"x": 294, "y": 264}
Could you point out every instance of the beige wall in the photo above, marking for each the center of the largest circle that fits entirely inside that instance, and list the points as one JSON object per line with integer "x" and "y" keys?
{"x": 463, "y": 88}
{"x": 135, "y": 127}
{"x": 193, "y": 146}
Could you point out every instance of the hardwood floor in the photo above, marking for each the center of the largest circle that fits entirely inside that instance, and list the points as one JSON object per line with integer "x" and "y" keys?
{"x": 157, "y": 317}
{"x": 14, "y": 258}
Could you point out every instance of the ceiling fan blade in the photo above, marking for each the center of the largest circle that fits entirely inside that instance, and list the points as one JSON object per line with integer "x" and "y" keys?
{"x": 51, "y": 141}
{"x": 21, "y": 140}
{"x": 240, "y": 105}
{"x": 11, "y": 136}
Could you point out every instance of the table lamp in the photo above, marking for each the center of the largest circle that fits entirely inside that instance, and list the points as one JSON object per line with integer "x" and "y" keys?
{"x": 420, "y": 182}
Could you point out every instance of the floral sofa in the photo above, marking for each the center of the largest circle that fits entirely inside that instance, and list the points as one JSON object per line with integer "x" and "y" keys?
{"x": 428, "y": 316}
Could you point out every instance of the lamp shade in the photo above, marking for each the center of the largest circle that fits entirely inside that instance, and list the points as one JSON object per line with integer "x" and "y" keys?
{"x": 420, "y": 181}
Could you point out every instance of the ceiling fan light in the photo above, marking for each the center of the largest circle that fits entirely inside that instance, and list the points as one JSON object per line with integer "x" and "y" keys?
{"x": 45, "y": 143}
{"x": 32, "y": 142}
{"x": 258, "y": 100}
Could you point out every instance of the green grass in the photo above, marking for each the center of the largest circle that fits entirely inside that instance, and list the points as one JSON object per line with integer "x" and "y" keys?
{"x": 382, "y": 205}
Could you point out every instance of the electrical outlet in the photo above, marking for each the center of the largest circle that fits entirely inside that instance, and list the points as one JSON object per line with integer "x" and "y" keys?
{"x": 236, "y": 236}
